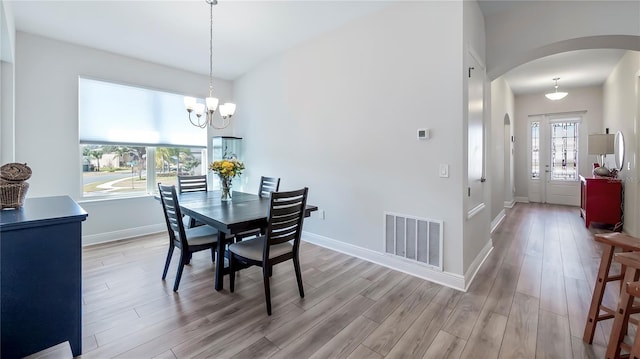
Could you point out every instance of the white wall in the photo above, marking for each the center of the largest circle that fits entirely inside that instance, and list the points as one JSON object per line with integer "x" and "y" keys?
{"x": 339, "y": 114}
{"x": 532, "y": 29}
{"x": 7, "y": 55}
{"x": 502, "y": 104}
{"x": 621, "y": 112}
{"x": 587, "y": 99}
{"x": 46, "y": 129}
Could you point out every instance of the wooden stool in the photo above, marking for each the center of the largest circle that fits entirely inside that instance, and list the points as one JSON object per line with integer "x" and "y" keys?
{"x": 625, "y": 304}
{"x": 611, "y": 241}
{"x": 633, "y": 289}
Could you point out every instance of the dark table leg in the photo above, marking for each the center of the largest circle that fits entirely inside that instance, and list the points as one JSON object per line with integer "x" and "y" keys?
{"x": 220, "y": 261}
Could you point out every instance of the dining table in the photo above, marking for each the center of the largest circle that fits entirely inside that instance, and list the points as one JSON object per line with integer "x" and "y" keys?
{"x": 245, "y": 211}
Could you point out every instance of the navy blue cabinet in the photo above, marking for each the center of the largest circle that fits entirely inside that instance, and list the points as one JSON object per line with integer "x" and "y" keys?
{"x": 41, "y": 276}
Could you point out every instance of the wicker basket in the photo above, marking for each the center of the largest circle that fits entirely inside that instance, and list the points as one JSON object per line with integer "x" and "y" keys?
{"x": 12, "y": 194}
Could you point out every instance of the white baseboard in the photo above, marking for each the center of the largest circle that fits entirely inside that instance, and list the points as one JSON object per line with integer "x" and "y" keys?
{"x": 496, "y": 221}
{"x": 122, "y": 234}
{"x": 509, "y": 204}
{"x": 522, "y": 199}
{"x": 477, "y": 263}
{"x": 451, "y": 280}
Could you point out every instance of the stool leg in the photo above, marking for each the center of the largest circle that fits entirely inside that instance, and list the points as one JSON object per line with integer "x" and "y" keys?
{"x": 635, "y": 350}
{"x": 598, "y": 293}
{"x": 621, "y": 319}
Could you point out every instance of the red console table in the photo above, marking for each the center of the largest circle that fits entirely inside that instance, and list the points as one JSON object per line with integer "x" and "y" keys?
{"x": 600, "y": 200}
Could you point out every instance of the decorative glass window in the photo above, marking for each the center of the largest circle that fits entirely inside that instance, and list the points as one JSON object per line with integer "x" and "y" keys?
{"x": 564, "y": 151}
{"x": 535, "y": 150}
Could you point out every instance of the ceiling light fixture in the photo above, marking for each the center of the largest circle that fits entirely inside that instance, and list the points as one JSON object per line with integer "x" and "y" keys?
{"x": 226, "y": 110}
{"x": 556, "y": 95}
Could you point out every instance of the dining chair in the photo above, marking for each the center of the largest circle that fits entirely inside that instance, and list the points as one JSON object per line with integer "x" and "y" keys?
{"x": 268, "y": 185}
{"x": 280, "y": 243}
{"x": 192, "y": 184}
{"x": 189, "y": 240}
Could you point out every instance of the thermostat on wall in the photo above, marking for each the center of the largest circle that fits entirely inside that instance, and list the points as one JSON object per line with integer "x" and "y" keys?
{"x": 423, "y": 134}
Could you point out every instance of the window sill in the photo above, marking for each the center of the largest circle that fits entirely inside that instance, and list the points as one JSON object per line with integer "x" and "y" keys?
{"x": 114, "y": 198}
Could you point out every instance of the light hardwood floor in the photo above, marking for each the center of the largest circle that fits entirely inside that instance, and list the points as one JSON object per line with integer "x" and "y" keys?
{"x": 529, "y": 299}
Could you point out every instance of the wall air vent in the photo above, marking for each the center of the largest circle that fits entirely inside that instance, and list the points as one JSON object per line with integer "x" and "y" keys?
{"x": 416, "y": 239}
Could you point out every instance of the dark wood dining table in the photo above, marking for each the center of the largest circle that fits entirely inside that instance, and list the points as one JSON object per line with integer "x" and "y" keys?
{"x": 243, "y": 212}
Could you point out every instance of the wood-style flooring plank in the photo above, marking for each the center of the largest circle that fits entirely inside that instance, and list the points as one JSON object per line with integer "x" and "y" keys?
{"x": 445, "y": 346}
{"x": 417, "y": 339}
{"x": 363, "y": 352}
{"x": 345, "y": 342}
{"x": 387, "y": 304}
{"x": 554, "y": 337}
{"x": 530, "y": 276}
{"x": 319, "y": 335}
{"x": 486, "y": 338}
{"x": 385, "y": 337}
{"x": 262, "y": 348}
{"x": 287, "y": 333}
{"x": 522, "y": 327}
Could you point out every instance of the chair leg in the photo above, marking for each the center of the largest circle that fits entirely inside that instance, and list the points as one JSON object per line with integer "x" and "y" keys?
{"x": 183, "y": 259}
{"x": 168, "y": 261}
{"x": 188, "y": 260}
{"x": 270, "y": 271}
{"x": 267, "y": 290}
{"x": 296, "y": 266}
{"x": 213, "y": 254}
{"x": 232, "y": 273}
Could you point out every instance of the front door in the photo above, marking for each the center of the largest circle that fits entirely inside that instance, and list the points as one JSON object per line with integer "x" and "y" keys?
{"x": 554, "y": 161}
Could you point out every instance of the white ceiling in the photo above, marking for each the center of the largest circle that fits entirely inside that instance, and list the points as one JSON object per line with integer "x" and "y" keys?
{"x": 176, "y": 33}
{"x": 574, "y": 68}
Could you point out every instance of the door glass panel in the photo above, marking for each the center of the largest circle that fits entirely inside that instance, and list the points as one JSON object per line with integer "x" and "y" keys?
{"x": 564, "y": 151}
{"x": 535, "y": 150}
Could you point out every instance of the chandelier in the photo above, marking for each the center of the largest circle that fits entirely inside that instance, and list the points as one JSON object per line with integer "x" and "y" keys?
{"x": 226, "y": 109}
{"x": 556, "y": 95}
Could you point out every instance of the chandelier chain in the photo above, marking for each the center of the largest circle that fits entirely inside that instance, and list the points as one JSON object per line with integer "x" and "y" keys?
{"x": 211, "y": 49}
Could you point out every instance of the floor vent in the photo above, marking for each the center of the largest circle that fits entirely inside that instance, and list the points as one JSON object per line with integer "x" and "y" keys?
{"x": 416, "y": 239}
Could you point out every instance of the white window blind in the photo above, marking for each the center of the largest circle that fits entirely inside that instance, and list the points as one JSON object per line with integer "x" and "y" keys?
{"x": 111, "y": 113}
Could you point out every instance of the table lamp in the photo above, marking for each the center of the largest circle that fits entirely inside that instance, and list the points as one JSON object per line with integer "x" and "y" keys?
{"x": 601, "y": 145}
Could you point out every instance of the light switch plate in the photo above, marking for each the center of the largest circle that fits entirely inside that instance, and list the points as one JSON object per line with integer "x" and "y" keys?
{"x": 444, "y": 170}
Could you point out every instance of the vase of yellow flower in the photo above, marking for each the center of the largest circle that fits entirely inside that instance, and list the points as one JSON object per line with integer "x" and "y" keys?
{"x": 226, "y": 169}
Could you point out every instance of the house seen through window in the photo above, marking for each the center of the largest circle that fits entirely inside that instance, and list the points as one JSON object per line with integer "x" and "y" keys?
{"x": 109, "y": 170}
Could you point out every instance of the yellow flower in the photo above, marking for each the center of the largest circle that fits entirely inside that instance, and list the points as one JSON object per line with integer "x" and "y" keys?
{"x": 227, "y": 168}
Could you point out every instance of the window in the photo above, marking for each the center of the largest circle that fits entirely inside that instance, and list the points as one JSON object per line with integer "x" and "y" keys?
{"x": 118, "y": 170}
{"x": 535, "y": 150}
{"x": 564, "y": 151}
{"x": 132, "y": 138}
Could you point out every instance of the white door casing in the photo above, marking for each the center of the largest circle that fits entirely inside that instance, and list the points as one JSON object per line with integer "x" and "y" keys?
{"x": 558, "y": 182}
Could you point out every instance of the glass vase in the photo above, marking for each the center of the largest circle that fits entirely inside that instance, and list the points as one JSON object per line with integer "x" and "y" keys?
{"x": 225, "y": 188}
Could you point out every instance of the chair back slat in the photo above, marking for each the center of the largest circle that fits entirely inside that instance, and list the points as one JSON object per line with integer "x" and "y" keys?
{"x": 268, "y": 185}
{"x": 286, "y": 215}
{"x": 192, "y": 183}
{"x": 173, "y": 215}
